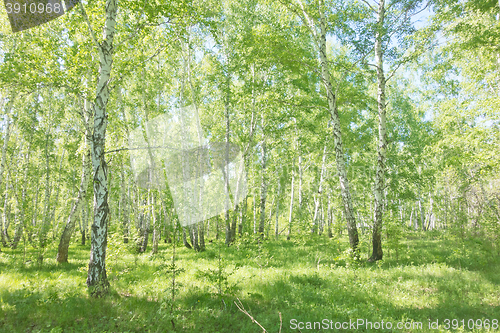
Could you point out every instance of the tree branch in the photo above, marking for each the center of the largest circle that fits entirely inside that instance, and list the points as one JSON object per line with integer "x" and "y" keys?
{"x": 158, "y": 50}
{"x": 92, "y": 33}
{"x": 240, "y": 307}
{"x": 141, "y": 148}
{"x": 368, "y": 4}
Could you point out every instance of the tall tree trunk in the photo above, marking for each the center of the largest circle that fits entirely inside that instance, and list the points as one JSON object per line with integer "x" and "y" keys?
{"x": 97, "y": 280}
{"x": 337, "y": 135}
{"x": 166, "y": 225}
{"x": 6, "y": 213}
{"x": 207, "y": 228}
{"x": 193, "y": 234}
{"x": 62, "y": 252}
{"x": 244, "y": 211}
{"x": 243, "y": 216}
{"x": 430, "y": 224}
{"x": 84, "y": 218}
{"x": 290, "y": 215}
{"x": 321, "y": 221}
{"x": 46, "y": 211}
{"x": 270, "y": 215}
{"x": 198, "y": 228}
{"x": 184, "y": 239}
{"x": 416, "y": 219}
{"x": 217, "y": 223}
{"x": 156, "y": 227}
{"x": 278, "y": 193}
{"x": 8, "y": 108}
{"x": 201, "y": 235}
{"x": 411, "y": 217}
{"x": 254, "y": 202}
{"x": 124, "y": 207}
{"x": 8, "y": 123}
{"x": 228, "y": 224}
{"x": 263, "y": 185}
{"x": 20, "y": 222}
{"x": 446, "y": 208}
{"x": 234, "y": 222}
{"x": 35, "y": 211}
{"x": 145, "y": 225}
{"x": 226, "y": 172}
{"x": 55, "y": 225}
{"x": 125, "y": 184}
{"x": 422, "y": 215}
{"x": 4, "y": 223}
{"x": 382, "y": 138}
{"x": 329, "y": 217}
{"x": 317, "y": 199}
{"x": 88, "y": 141}
{"x": 300, "y": 182}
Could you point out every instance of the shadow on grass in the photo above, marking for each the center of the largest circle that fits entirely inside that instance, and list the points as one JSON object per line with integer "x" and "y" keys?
{"x": 307, "y": 298}
{"x": 302, "y": 279}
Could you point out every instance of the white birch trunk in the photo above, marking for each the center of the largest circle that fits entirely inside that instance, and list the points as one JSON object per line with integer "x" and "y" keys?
{"x": 124, "y": 206}
{"x": 125, "y": 185}
{"x": 226, "y": 173}
{"x": 276, "y": 225}
{"x": 263, "y": 189}
{"x": 337, "y": 135}
{"x": 329, "y": 216}
{"x": 156, "y": 229}
{"x": 382, "y": 137}
{"x": 62, "y": 252}
{"x": 421, "y": 207}
{"x": 290, "y": 215}
{"x": 96, "y": 278}
{"x": 8, "y": 108}
{"x": 8, "y": 123}
{"x": 254, "y": 202}
{"x": 300, "y": 182}
{"x": 55, "y": 225}
{"x": 46, "y": 210}
{"x": 317, "y": 198}
{"x": 20, "y": 222}
{"x": 6, "y": 214}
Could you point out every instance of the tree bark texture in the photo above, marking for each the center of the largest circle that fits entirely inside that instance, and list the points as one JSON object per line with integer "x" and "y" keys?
{"x": 379, "y": 188}
{"x": 337, "y": 135}
{"x": 62, "y": 252}
{"x": 97, "y": 280}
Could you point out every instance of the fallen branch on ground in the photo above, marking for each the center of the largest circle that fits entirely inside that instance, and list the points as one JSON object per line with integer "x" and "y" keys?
{"x": 240, "y": 306}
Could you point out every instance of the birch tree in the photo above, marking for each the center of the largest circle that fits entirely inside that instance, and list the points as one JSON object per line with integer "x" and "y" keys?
{"x": 8, "y": 124}
{"x": 392, "y": 26}
{"x": 62, "y": 252}
{"x": 96, "y": 279}
{"x": 317, "y": 27}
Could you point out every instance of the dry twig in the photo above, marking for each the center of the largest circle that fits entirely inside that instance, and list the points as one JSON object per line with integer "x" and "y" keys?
{"x": 240, "y": 307}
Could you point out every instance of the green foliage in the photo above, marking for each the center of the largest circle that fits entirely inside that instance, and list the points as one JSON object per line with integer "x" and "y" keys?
{"x": 219, "y": 278}
{"x": 395, "y": 232}
{"x": 257, "y": 62}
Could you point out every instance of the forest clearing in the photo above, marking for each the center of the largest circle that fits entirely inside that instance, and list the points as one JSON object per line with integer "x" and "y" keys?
{"x": 249, "y": 166}
{"x": 309, "y": 279}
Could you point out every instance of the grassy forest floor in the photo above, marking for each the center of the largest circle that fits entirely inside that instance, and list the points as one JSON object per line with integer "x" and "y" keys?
{"x": 310, "y": 279}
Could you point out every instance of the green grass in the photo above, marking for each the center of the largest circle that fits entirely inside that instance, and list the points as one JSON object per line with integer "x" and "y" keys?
{"x": 308, "y": 279}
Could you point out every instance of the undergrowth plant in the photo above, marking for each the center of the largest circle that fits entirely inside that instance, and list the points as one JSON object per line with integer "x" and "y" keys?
{"x": 219, "y": 278}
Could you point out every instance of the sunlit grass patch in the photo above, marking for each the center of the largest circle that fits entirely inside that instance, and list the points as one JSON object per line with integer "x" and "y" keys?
{"x": 303, "y": 279}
